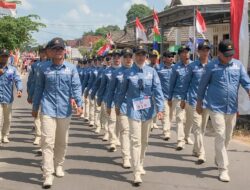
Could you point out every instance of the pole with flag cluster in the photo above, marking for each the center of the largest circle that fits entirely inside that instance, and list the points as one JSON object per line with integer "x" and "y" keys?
{"x": 240, "y": 38}
{"x": 156, "y": 31}
{"x": 107, "y": 46}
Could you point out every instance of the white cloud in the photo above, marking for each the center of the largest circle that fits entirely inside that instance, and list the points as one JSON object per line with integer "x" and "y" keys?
{"x": 73, "y": 15}
{"x": 128, "y": 4}
{"x": 26, "y": 5}
{"x": 85, "y": 9}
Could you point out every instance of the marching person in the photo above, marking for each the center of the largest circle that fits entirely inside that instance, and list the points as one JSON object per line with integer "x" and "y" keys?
{"x": 176, "y": 92}
{"x": 31, "y": 87}
{"x": 93, "y": 72}
{"x": 153, "y": 62}
{"x": 100, "y": 111}
{"x": 103, "y": 95}
{"x": 221, "y": 81}
{"x": 122, "y": 125}
{"x": 142, "y": 90}
{"x": 56, "y": 84}
{"x": 9, "y": 77}
{"x": 191, "y": 83}
{"x": 84, "y": 82}
{"x": 164, "y": 71}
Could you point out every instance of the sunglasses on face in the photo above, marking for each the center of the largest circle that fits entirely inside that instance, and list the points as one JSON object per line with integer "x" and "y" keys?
{"x": 127, "y": 56}
{"x": 171, "y": 56}
{"x": 58, "y": 49}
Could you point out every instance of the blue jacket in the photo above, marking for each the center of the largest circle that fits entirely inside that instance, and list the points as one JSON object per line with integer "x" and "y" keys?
{"x": 86, "y": 77}
{"x": 192, "y": 81}
{"x": 8, "y": 79}
{"x": 222, "y": 83}
{"x": 115, "y": 87}
{"x": 92, "y": 79}
{"x": 176, "y": 90}
{"x": 32, "y": 79}
{"x": 56, "y": 85}
{"x": 97, "y": 83}
{"x": 106, "y": 78}
{"x": 164, "y": 73}
{"x": 141, "y": 82}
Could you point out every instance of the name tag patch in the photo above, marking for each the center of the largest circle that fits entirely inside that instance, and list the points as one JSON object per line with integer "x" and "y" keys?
{"x": 141, "y": 103}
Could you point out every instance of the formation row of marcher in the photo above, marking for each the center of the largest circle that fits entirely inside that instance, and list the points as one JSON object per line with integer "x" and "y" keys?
{"x": 123, "y": 94}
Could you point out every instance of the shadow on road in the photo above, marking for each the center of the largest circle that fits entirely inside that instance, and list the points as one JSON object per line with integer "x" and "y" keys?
{"x": 95, "y": 159}
{"x": 29, "y": 178}
{"x": 111, "y": 175}
{"x": 198, "y": 172}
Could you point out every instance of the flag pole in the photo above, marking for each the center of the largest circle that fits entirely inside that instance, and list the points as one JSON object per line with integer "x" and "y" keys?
{"x": 194, "y": 42}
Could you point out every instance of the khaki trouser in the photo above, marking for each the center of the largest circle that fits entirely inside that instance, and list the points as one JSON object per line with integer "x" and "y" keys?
{"x": 37, "y": 122}
{"x": 167, "y": 119}
{"x": 54, "y": 142}
{"x": 223, "y": 125}
{"x": 97, "y": 115}
{"x": 181, "y": 117}
{"x": 91, "y": 111}
{"x": 112, "y": 126}
{"x": 104, "y": 118}
{"x": 5, "y": 119}
{"x": 123, "y": 125}
{"x": 199, "y": 128}
{"x": 139, "y": 134}
{"x": 86, "y": 110}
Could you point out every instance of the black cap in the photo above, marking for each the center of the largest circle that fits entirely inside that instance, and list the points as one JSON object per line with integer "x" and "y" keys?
{"x": 4, "y": 52}
{"x": 204, "y": 45}
{"x": 169, "y": 54}
{"x": 85, "y": 61}
{"x": 57, "y": 42}
{"x": 117, "y": 52}
{"x": 183, "y": 48}
{"x": 127, "y": 51}
{"x": 99, "y": 58}
{"x": 140, "y": 50}
{"x": 226, "y": 47}
{"x": 153, "y": 53}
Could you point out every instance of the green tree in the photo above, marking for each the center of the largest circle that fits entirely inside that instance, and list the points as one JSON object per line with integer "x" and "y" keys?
{"x": 138, "y": 10}
{"x": 102, "y": 31}
{"x": 17, "y": 32}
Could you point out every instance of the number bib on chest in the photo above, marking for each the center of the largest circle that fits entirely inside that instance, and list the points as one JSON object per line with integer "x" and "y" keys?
{"x": 141, "y": 103}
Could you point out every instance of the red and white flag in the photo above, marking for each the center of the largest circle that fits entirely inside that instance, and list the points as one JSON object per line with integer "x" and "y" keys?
{"x": 156, "y": 23}
{"x": 200, "y": 23}
{"x": 104, "y": 49}
{"x": 240, "y": 38}
{"x": 140, "y": 31}
{"x": 7, "y": 8}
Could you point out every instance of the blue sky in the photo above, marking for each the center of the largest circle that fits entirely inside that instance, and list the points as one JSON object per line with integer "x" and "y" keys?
{"x": 70, "y": 18}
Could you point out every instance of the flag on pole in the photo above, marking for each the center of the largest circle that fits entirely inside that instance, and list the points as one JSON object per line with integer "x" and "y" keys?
{"x": 104, "y": 49}
{"x": 140, "y": 31}
{"x": 7, "y": 8}
{"x": 156, "y": 31}
{"x": 200, "y": 24}
{"x": 240, "y": 38}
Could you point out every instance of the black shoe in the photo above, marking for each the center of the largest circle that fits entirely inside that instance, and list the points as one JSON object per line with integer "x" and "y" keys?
{"x": 200, "y": 161}
{"x": 166, "y": 138}
{"x": 179, "y": 148}
{"x": 137, "y": 184}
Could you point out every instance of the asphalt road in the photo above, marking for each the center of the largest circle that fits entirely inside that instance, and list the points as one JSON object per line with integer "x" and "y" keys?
{"x": 89, "y": 166}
